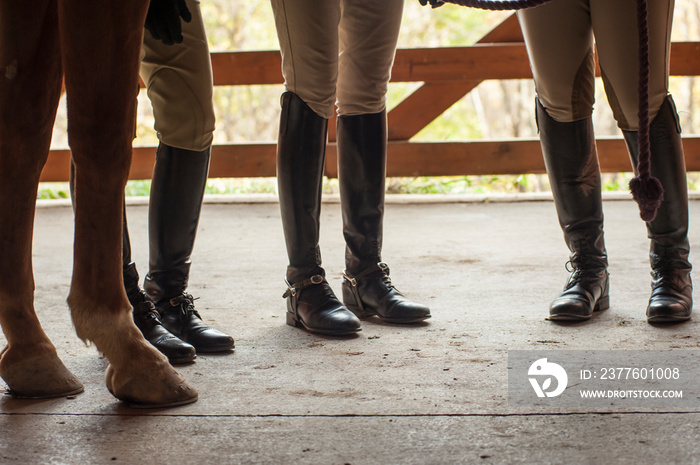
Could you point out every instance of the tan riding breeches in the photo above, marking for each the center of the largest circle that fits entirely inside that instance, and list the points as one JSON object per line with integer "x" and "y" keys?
{"x": 559, "y": 37}
{"x": 179, "y": 83}
{"x": 338, "y": 52}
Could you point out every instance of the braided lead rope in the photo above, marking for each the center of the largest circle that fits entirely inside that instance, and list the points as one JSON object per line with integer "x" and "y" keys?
{"x": 646, "y": 190}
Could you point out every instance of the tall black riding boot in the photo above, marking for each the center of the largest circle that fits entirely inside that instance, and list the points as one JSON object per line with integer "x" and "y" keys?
{"x": 671, "y": 287}
{"x": 574, "y": 175}
{"x": 144, "y": 313}
{"x": 177, "y": 190}
{"x": 301, "y": 151}
{"x": 367, "y": 288}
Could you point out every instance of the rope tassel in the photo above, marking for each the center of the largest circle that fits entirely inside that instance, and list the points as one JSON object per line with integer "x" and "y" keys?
{"x": 648, "y": 193}
{"x": 646, "y": 190}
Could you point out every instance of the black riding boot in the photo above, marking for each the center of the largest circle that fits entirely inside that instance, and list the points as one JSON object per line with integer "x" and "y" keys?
{"x": 367, "y": 288}
{"x": 179, "y": 179}
{"x": 671, "y": 287}
{"x": 301, "y": 151}
{"x": 144, "y": 313}
{"x": 148, "y": 321}
{"x": 574, "y": 175}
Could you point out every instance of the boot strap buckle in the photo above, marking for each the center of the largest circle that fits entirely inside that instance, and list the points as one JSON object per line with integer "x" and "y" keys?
{"x": 381, "y": 266}
{"x": 290, "y": 289}
{"x": 349, "y": 279}
{"x": 293, "y": 289}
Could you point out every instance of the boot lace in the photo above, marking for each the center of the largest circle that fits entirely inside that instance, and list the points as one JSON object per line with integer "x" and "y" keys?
{"x": 581, "y": 264}
{"x": 662, "y": 269}
{"x": 185, "y": 302}
{"x": 387, "y": 281}
{"x": 385, "y": 274}
{"x": 666, "y": 271}
{"x": 326, "y": 291}
{"x": 146, "y": 314}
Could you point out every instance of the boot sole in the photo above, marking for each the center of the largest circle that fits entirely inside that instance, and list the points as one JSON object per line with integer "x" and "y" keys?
{"x": 292, "y": 320}
{"x": 667, "y": 319}
{"x": 180, "y": 361}
{"x": 222, "y": 349}
{"x": 212, "y": 349}
{"x": 364, "y": 315}
{"x": 216, "y": 351}
{"x": 404, "y": 322}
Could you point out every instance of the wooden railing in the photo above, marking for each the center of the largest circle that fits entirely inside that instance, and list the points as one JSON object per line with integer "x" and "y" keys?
{"x": 448, "y": 74}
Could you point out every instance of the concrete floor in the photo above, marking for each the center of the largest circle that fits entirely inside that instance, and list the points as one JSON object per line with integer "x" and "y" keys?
{"x": 435, "y": 393}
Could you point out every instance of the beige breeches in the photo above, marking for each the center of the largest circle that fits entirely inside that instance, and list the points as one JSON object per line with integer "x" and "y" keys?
{"x": 178, "y": 80}
{"x": 559, "y": 37}
{"x": 338, "y": 52}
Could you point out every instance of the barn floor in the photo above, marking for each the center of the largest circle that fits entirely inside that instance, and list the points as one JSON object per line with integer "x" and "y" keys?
{"x": 436, "y": 393}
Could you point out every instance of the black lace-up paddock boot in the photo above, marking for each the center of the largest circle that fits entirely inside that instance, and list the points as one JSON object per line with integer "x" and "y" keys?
{"x": 586, "y": 291}
{"x": 177, "y": 190}
{"x": 367, "y": 288}
{"x": 301, "y": 150}
{"x": 671, "y": 287}
{"x": 574, "y": 175}
{"x": 180, "y": 317}
{"x": 148, "y": 321}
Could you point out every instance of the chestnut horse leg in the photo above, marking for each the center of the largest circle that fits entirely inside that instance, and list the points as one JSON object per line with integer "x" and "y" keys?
{"x": 101, "y": 41}
{"x": 30, "y": 85}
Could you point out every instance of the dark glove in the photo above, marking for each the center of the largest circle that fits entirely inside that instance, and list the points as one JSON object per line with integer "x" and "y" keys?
{"x": 433, "y": 3}
{"x": 163, "y": 20}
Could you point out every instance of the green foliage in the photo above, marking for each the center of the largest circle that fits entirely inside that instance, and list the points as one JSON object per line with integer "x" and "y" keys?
{"x": 239, "y": 25}
{"x": 694, "y": 181}
{"x": 53, "y": 190}
{"x": 138, "y": 188}
{"x": 465, "y": 184}
{"x": 241, "y": 186}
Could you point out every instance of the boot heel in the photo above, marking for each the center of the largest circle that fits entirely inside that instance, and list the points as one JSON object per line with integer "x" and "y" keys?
{"x": 292, "y": 318}
{"x": 602, "y": 304}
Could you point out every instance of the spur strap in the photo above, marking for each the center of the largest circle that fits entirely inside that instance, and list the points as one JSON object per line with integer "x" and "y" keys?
{"x": 381, "y": 266}
{"x": 293, "y": 289}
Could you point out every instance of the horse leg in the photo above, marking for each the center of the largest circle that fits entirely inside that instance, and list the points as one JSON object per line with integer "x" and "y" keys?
{"x": 101, "y": 44}
{"x": 30, "y": 85}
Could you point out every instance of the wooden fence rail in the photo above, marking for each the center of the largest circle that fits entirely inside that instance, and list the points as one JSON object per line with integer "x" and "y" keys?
{"x": 447, "y": 74}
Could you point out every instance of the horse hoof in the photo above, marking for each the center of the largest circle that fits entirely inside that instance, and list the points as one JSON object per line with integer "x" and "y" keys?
{"x": 39, "y": 377}
{"x": 158, "y": 387}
